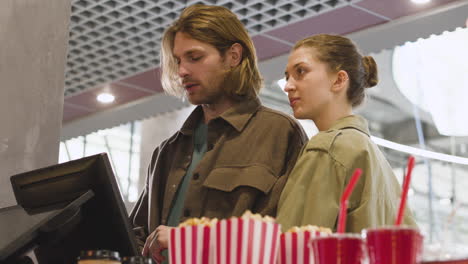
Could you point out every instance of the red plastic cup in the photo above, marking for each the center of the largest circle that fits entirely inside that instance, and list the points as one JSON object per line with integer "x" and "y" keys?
{"x": 338, "y": 248}
{"x": 395, "y": 244}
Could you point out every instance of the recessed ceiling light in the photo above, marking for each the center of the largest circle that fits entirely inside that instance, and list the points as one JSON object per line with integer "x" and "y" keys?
{"x": 105, "y": 98}
{"x": 420, "y": 2}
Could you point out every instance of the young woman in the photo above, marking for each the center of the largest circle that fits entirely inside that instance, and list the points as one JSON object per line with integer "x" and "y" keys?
{"x": 326, "y": 77}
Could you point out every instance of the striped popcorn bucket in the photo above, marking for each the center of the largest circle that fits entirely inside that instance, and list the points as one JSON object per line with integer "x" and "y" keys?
{"x": 190, "y": 245}
{"x": 294, "y": 247}
{"x": 245, "y": 241}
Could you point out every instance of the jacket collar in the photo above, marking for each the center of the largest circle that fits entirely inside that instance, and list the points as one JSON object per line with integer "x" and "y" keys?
{"x": 237, "y": 116}
{"x": 352, "y": 121}
{"x": 192, "y": 121}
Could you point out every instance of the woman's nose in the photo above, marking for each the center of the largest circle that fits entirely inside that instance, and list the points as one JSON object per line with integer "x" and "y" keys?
{"x": 288, "y": 87}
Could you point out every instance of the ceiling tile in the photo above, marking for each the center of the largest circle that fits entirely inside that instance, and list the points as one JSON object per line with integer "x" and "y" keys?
{"x": 111, "y": 39}
{"x": 71, "y": 112}
{"x": 268, "y": 48}
{"x": 148, "y": 80}
{"x": 341, "y": 21}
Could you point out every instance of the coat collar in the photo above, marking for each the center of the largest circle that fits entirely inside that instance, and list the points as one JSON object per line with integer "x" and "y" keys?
{"x": 237, "y": 116}
{"x": 352, "y": 121}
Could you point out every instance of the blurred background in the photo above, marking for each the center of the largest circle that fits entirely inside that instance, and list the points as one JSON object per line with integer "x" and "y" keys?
{"x": 114, "y": 101}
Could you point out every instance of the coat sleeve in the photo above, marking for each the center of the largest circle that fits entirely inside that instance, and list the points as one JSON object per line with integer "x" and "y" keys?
{"x": 312, "y": 194}
{"x": 140, "y": 212}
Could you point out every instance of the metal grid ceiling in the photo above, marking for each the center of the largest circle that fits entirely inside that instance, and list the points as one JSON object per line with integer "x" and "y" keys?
{"x": 112, "y": 39}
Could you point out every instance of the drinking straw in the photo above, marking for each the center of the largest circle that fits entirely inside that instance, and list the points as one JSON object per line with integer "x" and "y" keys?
{"x": 404, "y": 194}
{"x": 344, "y": 200}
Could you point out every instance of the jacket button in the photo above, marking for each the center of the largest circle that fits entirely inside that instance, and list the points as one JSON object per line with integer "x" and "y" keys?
{"x": 196, "y": 176}
{"x": 186, "y": 212}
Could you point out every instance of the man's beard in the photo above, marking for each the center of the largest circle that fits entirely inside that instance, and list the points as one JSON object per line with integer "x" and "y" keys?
{"x": 214, "y": 94}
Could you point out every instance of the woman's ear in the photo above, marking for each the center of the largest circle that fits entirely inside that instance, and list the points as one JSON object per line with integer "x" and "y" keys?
{"x": 341, "y": 82}
{"x": 235, "y": 54}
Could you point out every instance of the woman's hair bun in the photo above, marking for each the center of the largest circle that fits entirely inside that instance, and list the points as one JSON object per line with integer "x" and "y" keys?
{"x": 371, "y": 77}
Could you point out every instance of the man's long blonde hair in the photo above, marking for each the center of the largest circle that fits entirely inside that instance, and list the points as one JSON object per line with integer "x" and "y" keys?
{"x": 219, "y": 27}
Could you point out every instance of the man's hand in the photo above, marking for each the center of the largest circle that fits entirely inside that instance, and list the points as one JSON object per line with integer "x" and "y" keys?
{"x": 156, "y": 243}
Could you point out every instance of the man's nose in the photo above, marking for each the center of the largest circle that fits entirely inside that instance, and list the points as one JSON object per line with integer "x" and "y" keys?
{"x": 183, "y": 71}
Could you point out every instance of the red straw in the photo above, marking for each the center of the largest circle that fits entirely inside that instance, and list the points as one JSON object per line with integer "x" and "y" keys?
{"x": 344, "y": 200}
{"x": 406, "y": 182}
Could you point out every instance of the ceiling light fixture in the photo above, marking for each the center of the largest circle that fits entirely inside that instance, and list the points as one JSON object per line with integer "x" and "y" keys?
{"x": 105, "y": 98}
{"x": 420, "y": 2}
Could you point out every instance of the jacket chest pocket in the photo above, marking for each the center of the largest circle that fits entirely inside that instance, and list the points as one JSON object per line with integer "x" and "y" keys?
{"x": 227, "y": 179}
{"x": 232, "y": 190}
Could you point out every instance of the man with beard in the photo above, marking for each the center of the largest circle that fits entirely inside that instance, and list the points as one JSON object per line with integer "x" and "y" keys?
{"x": 232, "y": 154}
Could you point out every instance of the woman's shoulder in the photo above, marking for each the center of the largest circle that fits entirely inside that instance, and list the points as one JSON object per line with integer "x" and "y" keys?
{"x": 323, "y": 141}
{"x": 343, "y": 145}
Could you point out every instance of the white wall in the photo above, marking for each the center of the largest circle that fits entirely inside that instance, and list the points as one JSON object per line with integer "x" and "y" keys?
{"x": 33, "y": 41}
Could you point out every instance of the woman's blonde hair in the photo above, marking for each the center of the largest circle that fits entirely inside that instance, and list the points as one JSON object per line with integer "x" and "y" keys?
{"x": 219, "y": 27}
{"x": 340, "y": 53}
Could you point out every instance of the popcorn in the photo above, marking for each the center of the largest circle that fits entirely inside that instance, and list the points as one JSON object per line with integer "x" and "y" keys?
{"x": 251, "y": 238}
{"x": 249, "y": 215}
{"x": 199, "y": 221}
{"x": 311, "y": 228}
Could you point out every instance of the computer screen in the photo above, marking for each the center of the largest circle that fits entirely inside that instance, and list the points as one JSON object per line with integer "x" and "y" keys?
{"x": 102, "y": 221}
